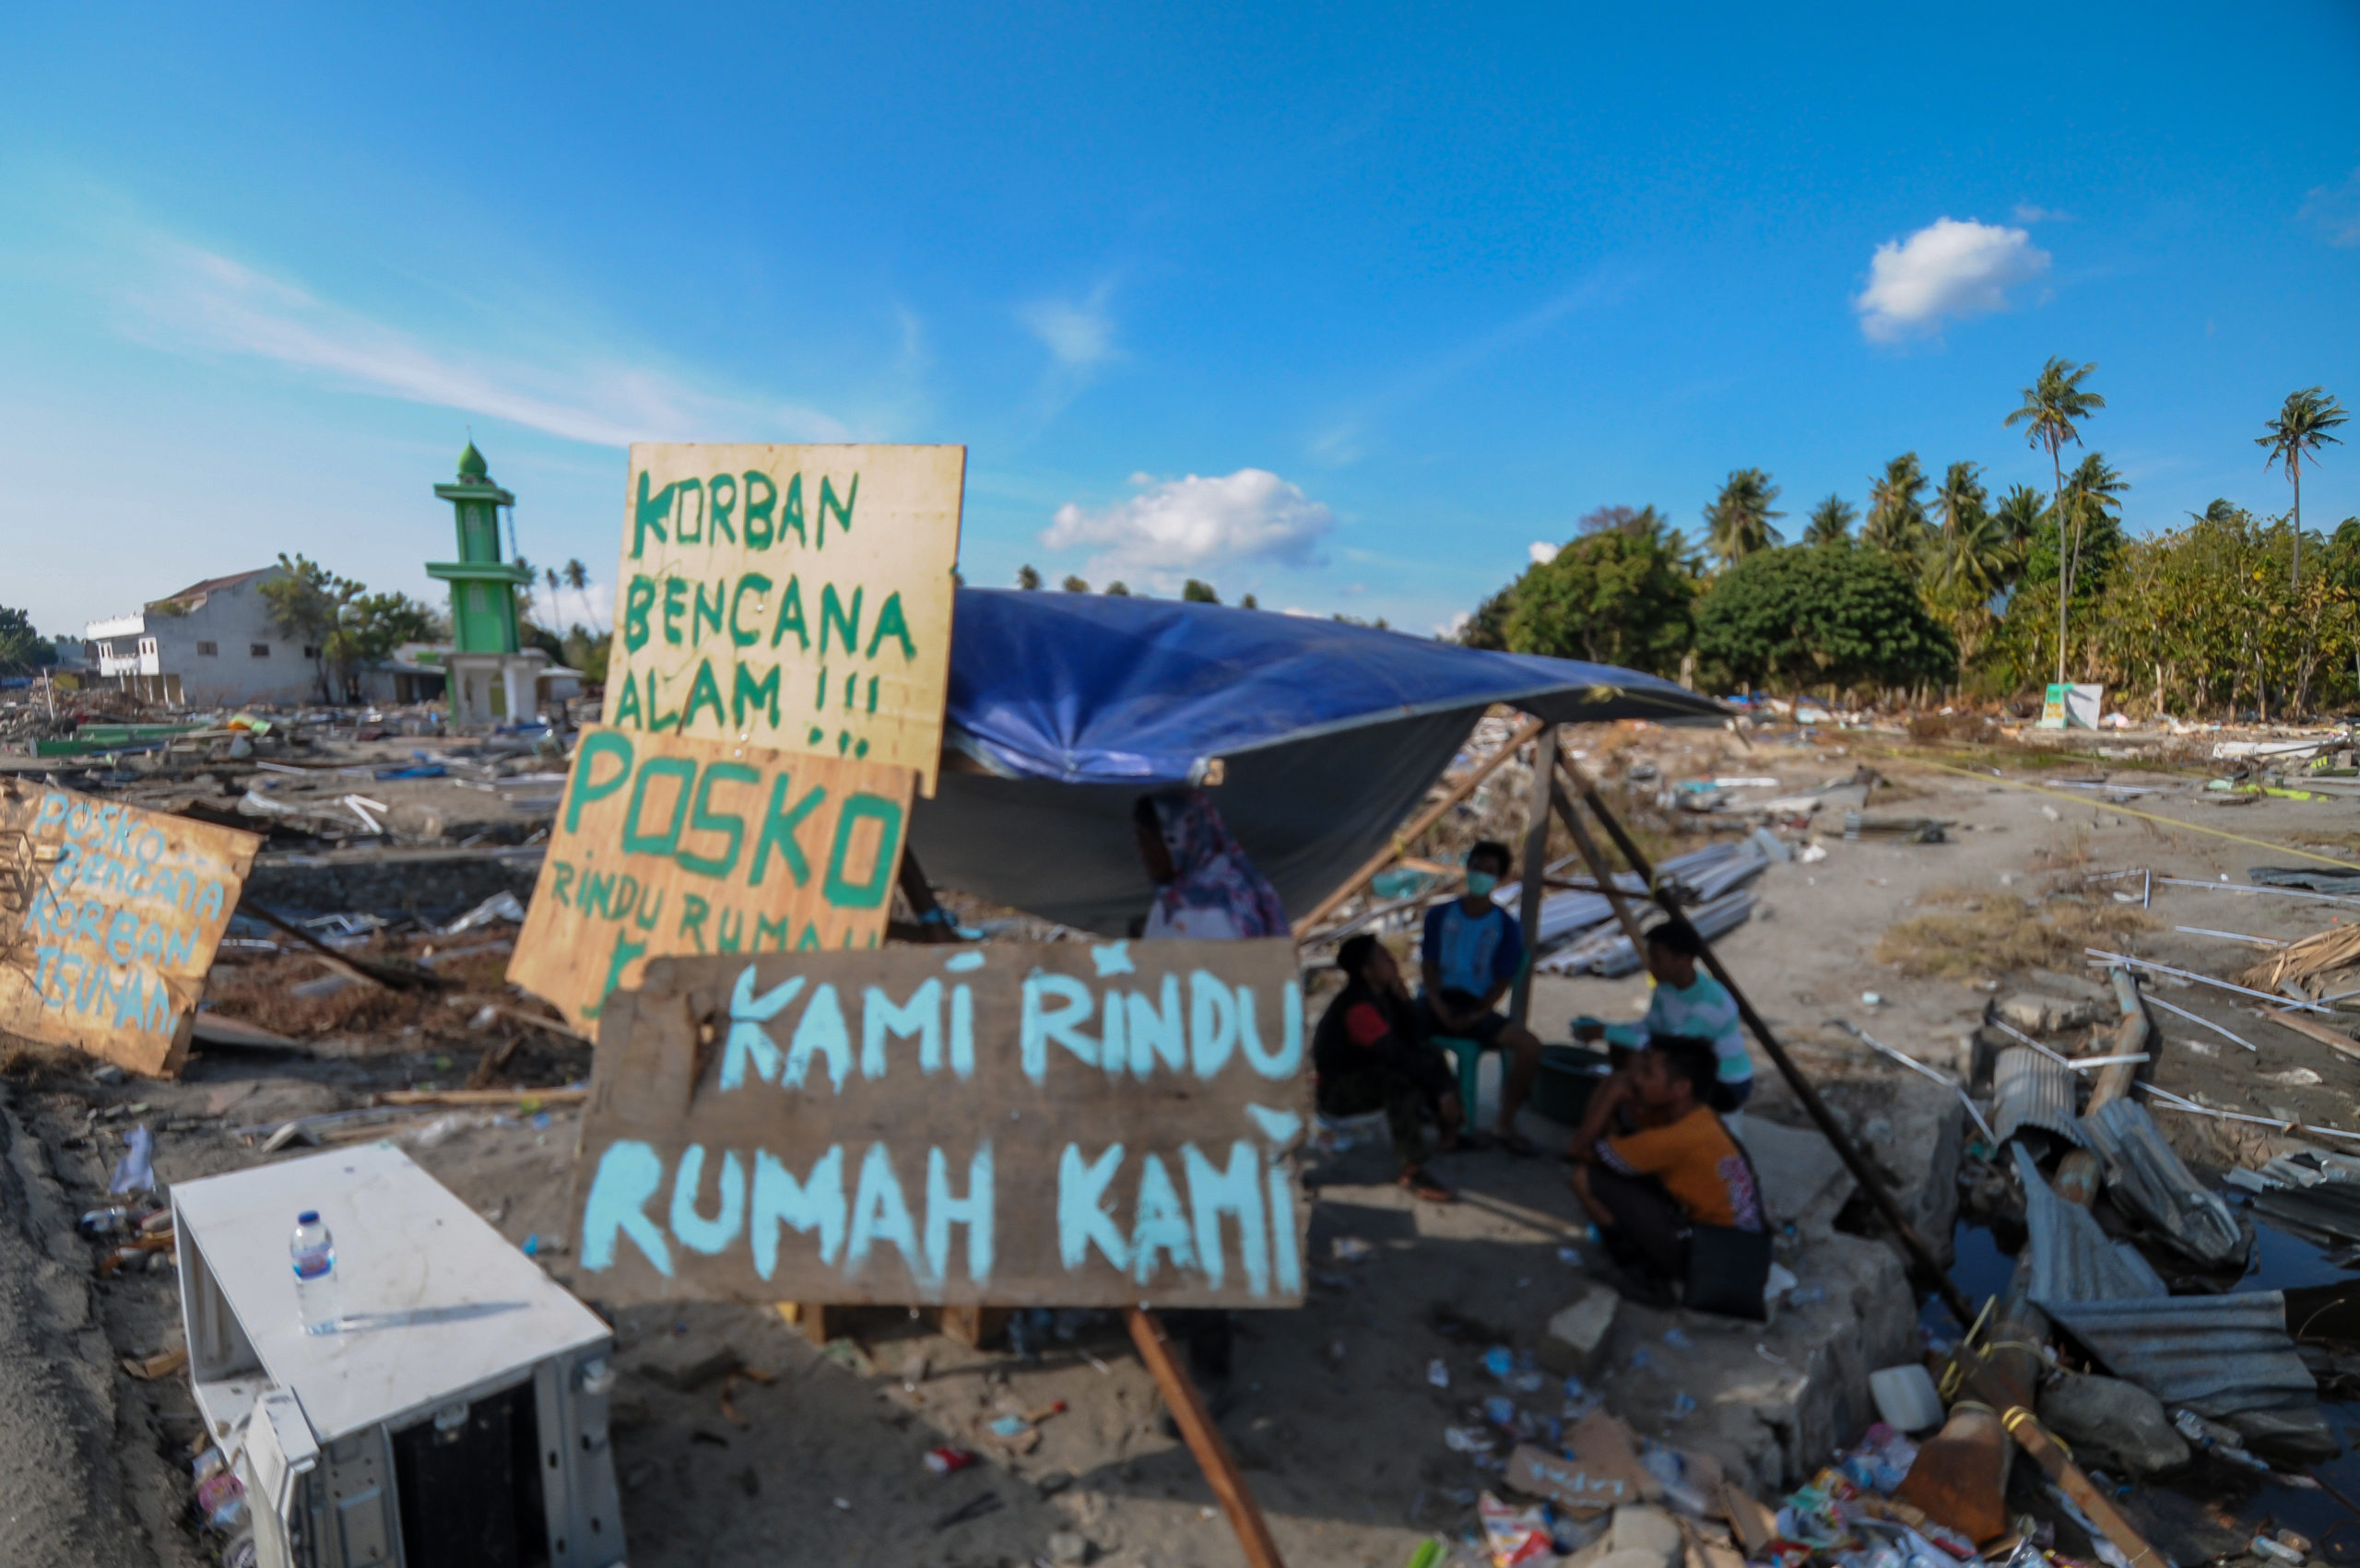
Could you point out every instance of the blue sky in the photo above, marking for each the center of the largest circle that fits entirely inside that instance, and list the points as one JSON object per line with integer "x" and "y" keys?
{"x": 1344, "y": 308}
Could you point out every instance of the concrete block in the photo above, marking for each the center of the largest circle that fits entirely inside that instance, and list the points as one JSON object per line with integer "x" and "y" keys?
{"x": 2036, "y": 1013}
{"x": 1803, "y": 1182}
{"x": 1576, "y": 1335}
{"x": 1639, "y": 1527}
{"x": 688, "y": 1363}
{"x": 2117, "y": 1425}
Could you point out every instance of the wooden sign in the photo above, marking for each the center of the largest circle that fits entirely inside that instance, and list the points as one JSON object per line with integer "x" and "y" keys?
{"x": 666, "y": 846}
{"x": 1059, "y": 1124}
{"x": 109, "y": 919}
{"x": 790, "y": 596}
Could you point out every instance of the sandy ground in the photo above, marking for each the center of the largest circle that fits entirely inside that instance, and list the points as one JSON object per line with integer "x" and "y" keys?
{"x": 1329, "y": 1409}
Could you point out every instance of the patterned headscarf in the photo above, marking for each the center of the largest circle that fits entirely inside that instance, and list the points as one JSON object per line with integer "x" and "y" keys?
{"x": 1212, "y": 870}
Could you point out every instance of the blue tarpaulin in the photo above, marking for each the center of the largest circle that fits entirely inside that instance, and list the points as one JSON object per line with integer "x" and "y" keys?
{"x": 1065, "y": 708}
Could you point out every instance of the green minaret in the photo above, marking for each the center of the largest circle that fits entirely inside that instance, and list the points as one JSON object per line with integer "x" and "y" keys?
{"x": 483, "y": 602}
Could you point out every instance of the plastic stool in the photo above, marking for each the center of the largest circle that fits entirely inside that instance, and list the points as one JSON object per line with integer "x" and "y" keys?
{"x": 1469, "y": 1055}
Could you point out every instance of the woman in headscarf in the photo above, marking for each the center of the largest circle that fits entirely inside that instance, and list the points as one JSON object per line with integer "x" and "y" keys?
{"x": 1205, "y": 887}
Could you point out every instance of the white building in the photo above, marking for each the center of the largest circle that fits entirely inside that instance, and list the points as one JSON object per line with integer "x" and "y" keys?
{"x": 212, "y": 645}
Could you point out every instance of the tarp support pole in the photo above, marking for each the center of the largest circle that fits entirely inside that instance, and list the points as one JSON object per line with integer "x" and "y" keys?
{"x": 1410, "y": 834}
{"x": 1536, "y": 866}
{"x": 1920, "y": 1255}
{"x": 1599, "y": 870}
{"x": 1204, "y": 1439}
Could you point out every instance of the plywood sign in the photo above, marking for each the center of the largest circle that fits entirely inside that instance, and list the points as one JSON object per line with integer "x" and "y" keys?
{"x": 109, "y": 919}
{"x": 1056, "y": 1125}
{"x": 790, "y": 596}
{"x": 666, "y": 846}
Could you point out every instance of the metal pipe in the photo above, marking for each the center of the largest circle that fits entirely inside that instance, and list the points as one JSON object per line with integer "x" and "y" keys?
{"x": 2274, "y": 1001}
{"x": 1840, "y": 1140}
{"x": 1913, "y": 1065}
{"x": 2194, "y": 1017}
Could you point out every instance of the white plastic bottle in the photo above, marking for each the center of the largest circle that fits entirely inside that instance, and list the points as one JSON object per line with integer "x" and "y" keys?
{"x": 313, "y": 1251}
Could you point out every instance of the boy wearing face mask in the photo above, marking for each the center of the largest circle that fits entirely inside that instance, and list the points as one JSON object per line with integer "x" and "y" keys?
{"x": 1470, "y": 954}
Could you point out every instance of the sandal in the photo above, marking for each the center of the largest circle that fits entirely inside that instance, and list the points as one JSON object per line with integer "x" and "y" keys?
{"x": 1422, "y": 1185}
{"x": 1516, "y": 1144}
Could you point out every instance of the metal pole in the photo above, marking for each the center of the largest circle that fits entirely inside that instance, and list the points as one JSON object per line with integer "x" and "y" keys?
{"x": 1536, "y": 866}
{"x": 1841, "y": 1142}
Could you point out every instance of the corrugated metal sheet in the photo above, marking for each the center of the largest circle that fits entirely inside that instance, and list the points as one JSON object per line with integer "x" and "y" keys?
{"x": 2030, "y": 1091}
{"x": 2151, "y": 1182}
{"x": 2214, "y": 1354}
{"x": 1607, "y": 951}
{"x": 2071, "y": 1259}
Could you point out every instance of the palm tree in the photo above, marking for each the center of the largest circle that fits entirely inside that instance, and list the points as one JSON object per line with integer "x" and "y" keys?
{"x": 2018, "y": 514}
{"x": 2302, "y": 426}
{"x": 1738, "y": 521}
{"x": 1896, "y": 522}
{"x": 1960, "y": 501}
{"x": 2053, "y": 406}
{"x": 2093, "y": 489}
{"x": 577, "y": 577}
{"x": 1831, "y": 522}
{"x": 549, "y": 576}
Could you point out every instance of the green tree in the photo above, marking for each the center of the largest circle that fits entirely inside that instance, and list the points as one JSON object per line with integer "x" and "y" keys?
{"x": 1896, "y": 525}
{"x": 1114, "y": 590}
{"x": 2052, "y": 412}
{"x": 1831, "y": 522}
{"x": 1027, "y": 578}
{"x": 1615, "y": 597}
{"x": 1738, "y": 521}
{"x": 1247, "y": 601}
{"x": 307, "y": 603}
{"x": 1195, "y": 592}
{"x": 1801, "y": 619}
{"x": 577, "y": 577}
{"x": 22, "y": 650}
{"x": 1488, "y": 627}
{"x": 2018, "y": 515}
{"x": 2302, "y": 427}
{"x": 1073, "y": 584}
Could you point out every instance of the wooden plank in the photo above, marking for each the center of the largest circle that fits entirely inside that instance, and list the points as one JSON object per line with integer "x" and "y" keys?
{"x": 1061, "y": 1124}
{"x": 109, "y": 919}
{"x": 797, "y": 597}
{"x": 1460, "y": 788}
{"x": 666, "y": 845}
{"x": 2334, "y": 1039}
{"x": 1204, "y": 1440}
{"x": 1536, "y": 869}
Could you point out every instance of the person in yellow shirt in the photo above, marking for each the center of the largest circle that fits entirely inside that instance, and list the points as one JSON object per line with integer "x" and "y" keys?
{"x": 1647, "y": 1192}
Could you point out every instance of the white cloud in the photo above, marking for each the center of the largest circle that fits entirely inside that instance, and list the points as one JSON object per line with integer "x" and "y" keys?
{"x": 1080, "y": 333}
{"x": 2027, "y": 213}
{"x": 1180, "y": 525}
{"x": 1448, "y": 630}
{"x": 593, "y": 606}
{"x": 197, "y": 300}
{"x": 2334, "y": 211}
{"x": 1946, "y": 269}
{"x": 1541, "y": 551}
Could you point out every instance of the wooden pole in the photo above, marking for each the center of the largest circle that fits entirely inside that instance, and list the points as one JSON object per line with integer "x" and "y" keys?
{"x": 1536, "y": 866}
{"x": 1986, "y": 1385}
{"x": 1841, "y": 1142}
{"x": 1409, "y": 835}
{"x": 1596, "y": 860}
{"x": 1204, "y": 1439}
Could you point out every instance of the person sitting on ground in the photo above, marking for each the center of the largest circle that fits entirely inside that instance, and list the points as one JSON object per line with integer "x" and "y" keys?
{"x": 1471, "y": 952}
{"x": 1686, "y": 1002}
{"x": 1370, "y": 1053}
{"x": 1647, "y": 1192}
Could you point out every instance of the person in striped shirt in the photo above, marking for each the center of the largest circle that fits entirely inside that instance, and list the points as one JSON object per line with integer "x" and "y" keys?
{"x": 1687, "y": 1003}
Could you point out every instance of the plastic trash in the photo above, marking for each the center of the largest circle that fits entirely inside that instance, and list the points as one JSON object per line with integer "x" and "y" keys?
{"x": 1907, "y": 1397}
{"x": 312, "y": 1250}
{"x": 1500, "y": 1410}
{"x": 1350, "y": 1249}
{"x": 104, "y": 1221}
{"x": 1515, "y": 1536}
{"x": 2262, "y": 1546}
{"x": 1678, "y": 1341}
{"x": 500, "y": 906}
{"x": 1683, "y": 1404}
{"x": 1466, "y": 1440}
{"x": 1500, "y": 1362}
{"x": 1568, "y": 1256}
{"x": 942, "y": 1461}
{"x": 1010, "y": 1426}
{"x": 136, "y": 1171}
{"x": 1438, "y": 1373}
